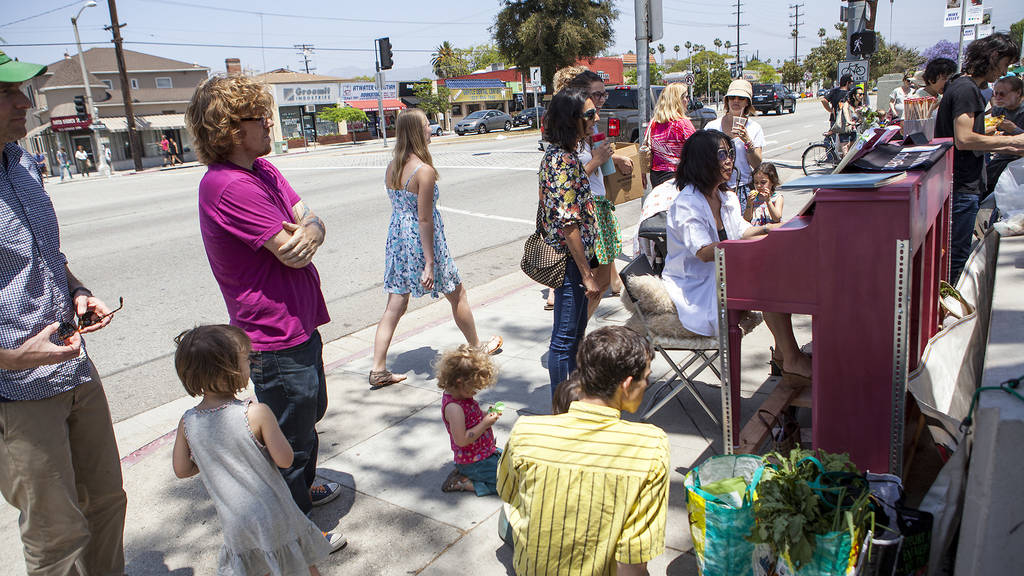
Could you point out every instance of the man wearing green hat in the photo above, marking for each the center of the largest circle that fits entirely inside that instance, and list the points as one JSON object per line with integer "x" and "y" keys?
{"x": 59, "y": 464}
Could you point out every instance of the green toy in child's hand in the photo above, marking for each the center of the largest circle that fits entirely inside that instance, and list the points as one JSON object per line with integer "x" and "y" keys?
{"x": 498, "y": 407}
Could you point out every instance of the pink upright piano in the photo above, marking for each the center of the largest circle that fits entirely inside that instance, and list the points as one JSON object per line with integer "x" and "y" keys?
{"x": 866, "y": 265}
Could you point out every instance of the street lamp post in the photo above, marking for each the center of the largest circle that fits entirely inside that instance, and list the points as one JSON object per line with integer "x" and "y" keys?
{"x": 101, "y": 159}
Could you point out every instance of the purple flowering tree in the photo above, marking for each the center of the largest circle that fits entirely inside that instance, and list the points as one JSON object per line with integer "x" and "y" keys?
{"x": 941, "y": 49}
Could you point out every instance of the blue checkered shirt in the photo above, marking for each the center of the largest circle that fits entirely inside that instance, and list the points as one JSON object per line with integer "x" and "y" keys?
{"x": 33, "y": 281}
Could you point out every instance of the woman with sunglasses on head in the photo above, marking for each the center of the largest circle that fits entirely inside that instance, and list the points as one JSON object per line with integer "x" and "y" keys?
{"x": 703, "y": 215}
{"x": 608, "y": 241}
{"x": 747, "y": 136}
{"x": 417, "y": 261}
{"x": 567, "y": 223}
{"x": 667, "y": 132}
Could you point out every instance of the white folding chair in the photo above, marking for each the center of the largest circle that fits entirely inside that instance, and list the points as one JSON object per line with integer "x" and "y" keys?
{"x": 703, "y": 349}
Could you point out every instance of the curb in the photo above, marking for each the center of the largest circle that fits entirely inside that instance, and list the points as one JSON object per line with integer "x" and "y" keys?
{"x": 144, "y": 433}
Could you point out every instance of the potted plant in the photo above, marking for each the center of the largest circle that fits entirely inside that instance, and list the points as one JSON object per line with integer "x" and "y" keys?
{"x": 812, "y": 510}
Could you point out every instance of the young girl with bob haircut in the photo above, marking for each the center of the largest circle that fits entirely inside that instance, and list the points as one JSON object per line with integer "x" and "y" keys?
{"x": 416, "y": 257}
{"x": 461, "y": 373}
{"x": 264, "y": 530}
{"x": 764, "y": 204}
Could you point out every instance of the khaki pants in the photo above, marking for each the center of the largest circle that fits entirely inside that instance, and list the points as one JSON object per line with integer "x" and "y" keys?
{"x": 59, "y": 466}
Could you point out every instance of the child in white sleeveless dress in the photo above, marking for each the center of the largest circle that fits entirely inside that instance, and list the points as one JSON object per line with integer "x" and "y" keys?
{"x": 264, "y": 531}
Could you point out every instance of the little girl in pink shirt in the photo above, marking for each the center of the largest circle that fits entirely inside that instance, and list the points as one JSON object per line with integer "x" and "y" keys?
{"x": 461, "y": 373}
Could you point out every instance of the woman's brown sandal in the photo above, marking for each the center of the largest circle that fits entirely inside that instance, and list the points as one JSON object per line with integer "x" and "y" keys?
{"x": 382, "y": 378}
{"x": 457, "y": 483}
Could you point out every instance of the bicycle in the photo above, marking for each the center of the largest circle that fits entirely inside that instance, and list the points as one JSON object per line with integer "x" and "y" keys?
{"x": 821, "y": 157}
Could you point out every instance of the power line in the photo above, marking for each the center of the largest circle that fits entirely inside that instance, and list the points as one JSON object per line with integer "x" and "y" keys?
{"x": 201, "y": 45}
{"x": 41, "y": 14}
{"x": 318, "y": 17}
{"x": 306, "y": 51}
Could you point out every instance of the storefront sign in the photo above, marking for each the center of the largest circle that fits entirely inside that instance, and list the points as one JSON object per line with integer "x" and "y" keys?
{"x": 68, "y": 123}
{"x": 301, "y": 94}
{"x": 480, "y": 94}
{"x": 367, "y": 90}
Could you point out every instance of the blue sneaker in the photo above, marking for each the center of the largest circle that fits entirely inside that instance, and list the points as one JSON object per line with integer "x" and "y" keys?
{"x": 321, "y": 494}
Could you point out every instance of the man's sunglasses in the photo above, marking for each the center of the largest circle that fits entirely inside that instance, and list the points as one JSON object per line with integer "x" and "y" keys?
{"x": 69, "y": 327}
{"x": 260, "y": 119}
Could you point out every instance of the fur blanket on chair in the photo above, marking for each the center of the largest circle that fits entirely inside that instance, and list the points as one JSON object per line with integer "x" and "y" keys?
{"x": 657, "y": 307}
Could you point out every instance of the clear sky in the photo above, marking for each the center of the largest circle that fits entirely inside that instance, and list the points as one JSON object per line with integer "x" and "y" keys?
{"x": 416, "y": 27}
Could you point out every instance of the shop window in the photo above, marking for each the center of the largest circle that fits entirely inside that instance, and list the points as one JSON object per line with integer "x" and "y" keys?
{"x": 456, "y": 109}
{"x": 135, "y": 83}
{"x": 164, "y": 82}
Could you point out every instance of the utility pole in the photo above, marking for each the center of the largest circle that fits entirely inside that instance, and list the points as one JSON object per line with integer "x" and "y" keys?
{"x": 796, "y": 31}
{"x": 306, "y": 51}
{"x": 737, "y": 26}
{"x": 643, "y": 77}
{"x": 126, "y": 89}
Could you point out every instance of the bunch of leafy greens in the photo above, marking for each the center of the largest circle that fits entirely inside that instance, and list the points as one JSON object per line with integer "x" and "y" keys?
{"x": 788, "y": 514}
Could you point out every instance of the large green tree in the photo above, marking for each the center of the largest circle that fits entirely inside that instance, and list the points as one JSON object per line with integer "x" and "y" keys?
{"x": 1017, "y": 30}
{"x": 895, "y": 59}
{"x": 342, "y": 114}
{"x": 766, "y": 72}
{"x": 447, "y": 61}
{"x": 433, "y": 103}
{"x": 480, "y": 56}
{"x": 713, "y": 64}
{"x": 792, "y": 73}
{"x": 553, "y": 34}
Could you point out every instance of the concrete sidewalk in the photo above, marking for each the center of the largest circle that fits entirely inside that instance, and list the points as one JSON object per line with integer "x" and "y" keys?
{"x": 390, "y": 451}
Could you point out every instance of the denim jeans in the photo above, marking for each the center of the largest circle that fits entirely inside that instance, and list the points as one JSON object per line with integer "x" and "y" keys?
{"x": 291, "y": 382}
{"x": 965, "y": 213}
{"x": 570, "y": 324}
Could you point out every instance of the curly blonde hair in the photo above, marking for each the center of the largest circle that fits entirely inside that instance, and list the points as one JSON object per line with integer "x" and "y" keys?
{"x": 565, "y": 75}
{"x": 465, "y": 369}
{"x": 217, "y": 107}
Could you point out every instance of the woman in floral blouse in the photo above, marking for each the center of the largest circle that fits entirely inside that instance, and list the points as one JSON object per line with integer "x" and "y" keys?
{"x": 568, "y": 224}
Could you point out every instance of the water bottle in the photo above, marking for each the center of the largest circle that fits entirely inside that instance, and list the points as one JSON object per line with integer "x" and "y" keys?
{"x": 608, "y": 167}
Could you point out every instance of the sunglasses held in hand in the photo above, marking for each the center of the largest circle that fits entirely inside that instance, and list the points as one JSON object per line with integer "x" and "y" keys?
{"x": 69, "y": 328}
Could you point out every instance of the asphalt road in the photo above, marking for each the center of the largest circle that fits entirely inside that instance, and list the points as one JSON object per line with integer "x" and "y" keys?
{"x": 138, "y": 237}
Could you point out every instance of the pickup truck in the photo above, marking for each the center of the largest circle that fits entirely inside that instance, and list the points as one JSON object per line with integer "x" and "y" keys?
{"x": 620, "y": 115}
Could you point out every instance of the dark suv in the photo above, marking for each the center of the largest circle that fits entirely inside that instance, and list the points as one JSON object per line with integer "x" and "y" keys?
{"x": 773, "y": 97}
{"x": 620, "y": 115}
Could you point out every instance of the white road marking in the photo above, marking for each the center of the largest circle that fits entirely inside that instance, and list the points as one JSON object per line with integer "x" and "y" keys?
{"x": 777, "y": 132}
{"x": 488, "y": 216}
{"x": 808, "y": 125}
{"x": 787, "y": 146}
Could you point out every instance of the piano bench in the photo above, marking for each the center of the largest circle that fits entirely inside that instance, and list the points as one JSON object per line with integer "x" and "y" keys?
{"x": 757, "y": 430}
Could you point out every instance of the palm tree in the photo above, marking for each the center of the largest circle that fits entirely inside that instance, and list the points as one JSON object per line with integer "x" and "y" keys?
{"x": 443, "y": 60}
{"x": 661, "y": 50}
{"x": 821, "y": 35}
{"x": 676, "y": 50}
{"x": 718, "y": 44}
{"x": 688, "y": 45}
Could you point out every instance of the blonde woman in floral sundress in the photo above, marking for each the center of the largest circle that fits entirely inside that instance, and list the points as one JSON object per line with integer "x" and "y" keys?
{"x": 417, "y": 261}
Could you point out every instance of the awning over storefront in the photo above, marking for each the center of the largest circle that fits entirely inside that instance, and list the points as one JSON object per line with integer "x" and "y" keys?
{"x": 152, "y": 122}
{"x": 390, "y": 104}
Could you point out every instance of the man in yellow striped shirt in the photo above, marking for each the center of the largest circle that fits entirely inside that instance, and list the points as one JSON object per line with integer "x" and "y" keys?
{"x": 587, "y": 491}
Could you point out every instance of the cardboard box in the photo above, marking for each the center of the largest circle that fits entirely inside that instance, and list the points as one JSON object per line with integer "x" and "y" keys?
{"x": 619, "y": 188}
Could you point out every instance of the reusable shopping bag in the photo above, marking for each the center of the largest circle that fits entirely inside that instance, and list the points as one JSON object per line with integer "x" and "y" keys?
{"x": 719, "y": 500}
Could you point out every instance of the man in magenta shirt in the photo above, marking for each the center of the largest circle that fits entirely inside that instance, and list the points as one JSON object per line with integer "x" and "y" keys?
{"x": 260, "y": 240}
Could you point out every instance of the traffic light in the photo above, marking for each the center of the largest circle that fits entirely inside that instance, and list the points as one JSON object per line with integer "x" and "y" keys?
{"x": 80, "y": 110}
{"x": 862, "y": 43}
{"x": 384, "y": 49}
